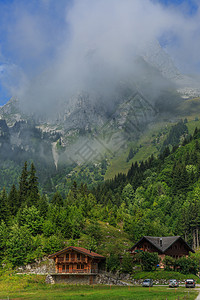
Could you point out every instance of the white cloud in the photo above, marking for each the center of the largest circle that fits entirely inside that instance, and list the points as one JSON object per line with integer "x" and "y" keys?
{"x": 92, "y": 44}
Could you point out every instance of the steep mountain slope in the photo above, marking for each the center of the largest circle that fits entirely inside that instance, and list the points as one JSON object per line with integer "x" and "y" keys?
{"x": 91, "y": 127}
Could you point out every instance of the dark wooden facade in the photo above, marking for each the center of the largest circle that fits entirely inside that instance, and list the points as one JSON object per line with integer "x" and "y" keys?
{"x": 173, "y": 246}
{"x": 77, "y": 260}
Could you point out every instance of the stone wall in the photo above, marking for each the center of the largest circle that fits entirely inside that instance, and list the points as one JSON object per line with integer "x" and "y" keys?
{"x": 43, "y": 267}
{"x": 104, "y": 278}
{"x": 111, "y": 279}
{"x": 72, "y": 278}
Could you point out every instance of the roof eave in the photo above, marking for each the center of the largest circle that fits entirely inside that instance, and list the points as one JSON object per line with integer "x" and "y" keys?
{"x": 144, "y": 237}
{"x": 71, "y": 247}
{"x": 179, "y": 237}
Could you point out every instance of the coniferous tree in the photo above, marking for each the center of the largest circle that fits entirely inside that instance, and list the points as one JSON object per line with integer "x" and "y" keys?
{"x": 130, "y": 155}
{"x": 23, "y": 185}
{"x": 4, "y": 210}
{"x": 43, "y": 205}
{"x": 33, "y": 192}
{"x": 57, "y": 199}
{"x": 13, "y": 200}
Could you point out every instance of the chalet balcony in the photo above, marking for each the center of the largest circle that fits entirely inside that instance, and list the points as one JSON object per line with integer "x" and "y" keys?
{"x": 79, "y": 271}
{"x": 73, "y": 260}
{"x": 60, "y": 259}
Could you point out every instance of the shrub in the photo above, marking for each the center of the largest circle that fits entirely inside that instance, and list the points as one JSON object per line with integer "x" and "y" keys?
{"x": 169, "y": 263}
{"x": 187, "y": 265}
{"x": 112, "y": 263}
{"x": 127, "y": 263}
{"x": 148, "y": 261}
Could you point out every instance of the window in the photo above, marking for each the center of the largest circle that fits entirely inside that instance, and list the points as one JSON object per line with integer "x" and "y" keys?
{"x": 78, "y": 256}
{"x": 82, "y": 267}
{"x": 63, "y": 268}
{"x": 67, "y": 256}
{"x": 78, "y": 267}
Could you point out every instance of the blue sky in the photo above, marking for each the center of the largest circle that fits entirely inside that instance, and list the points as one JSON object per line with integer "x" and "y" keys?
{"x": 191, "y": 4}
{"x": 36, "y": 35}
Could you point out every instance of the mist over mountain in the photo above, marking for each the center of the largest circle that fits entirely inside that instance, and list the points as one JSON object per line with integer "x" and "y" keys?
{"x": 94, "y": 85}
{"x": 107, "y": 113}
{"x": 55, "y": 50}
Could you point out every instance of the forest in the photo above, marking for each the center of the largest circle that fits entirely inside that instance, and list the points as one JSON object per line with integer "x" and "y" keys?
{"x": 158, "y": 197}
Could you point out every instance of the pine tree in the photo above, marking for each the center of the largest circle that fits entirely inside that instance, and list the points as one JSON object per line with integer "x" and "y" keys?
{"x": 43, "y": 206}
{"x": 74, "y": 189}
{"x": 33, "y": 193}
{"x": 130, "y": 155}
{"x": 13, "y": 200}
{"x": 57, "y": 199}
{"x": 4, "y": 209}
{"x": 23, "y": 185}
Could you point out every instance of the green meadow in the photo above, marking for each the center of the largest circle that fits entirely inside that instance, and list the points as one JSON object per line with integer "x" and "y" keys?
{"x": 33, "y": 287}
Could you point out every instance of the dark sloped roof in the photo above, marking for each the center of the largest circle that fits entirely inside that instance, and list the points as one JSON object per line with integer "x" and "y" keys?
{"x": 80, "y": 250}
{"x": 167, "y": 241}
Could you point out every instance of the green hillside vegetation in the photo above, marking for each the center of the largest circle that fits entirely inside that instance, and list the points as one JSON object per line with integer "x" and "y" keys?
{"x": 149, "y": 143}
{"x": 159, "y": 197}
{"x": 152, "y": 141}
{"x": 189, "y": 107}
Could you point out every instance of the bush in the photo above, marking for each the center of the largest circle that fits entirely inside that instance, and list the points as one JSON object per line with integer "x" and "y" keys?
{"x": 148, "y": 261}
{"x": 169, "y": 263}
{"x": 127, "y": 263}
{"x": 112, "y": 263}
{"x": 187, "y": 265}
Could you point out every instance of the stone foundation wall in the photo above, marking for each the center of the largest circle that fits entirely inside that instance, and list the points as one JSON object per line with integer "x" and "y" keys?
{"x": 111, "y": 279}
{"x": 72, "y": 278}
{"x": 104, "y": 278}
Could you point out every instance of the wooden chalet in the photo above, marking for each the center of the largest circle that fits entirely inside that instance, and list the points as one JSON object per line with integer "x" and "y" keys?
{"x": 77, "y": 260}
{"x": 174, "y": 246}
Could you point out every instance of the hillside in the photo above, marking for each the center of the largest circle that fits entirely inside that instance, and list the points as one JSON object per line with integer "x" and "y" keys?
{"x": 159, "y": 197}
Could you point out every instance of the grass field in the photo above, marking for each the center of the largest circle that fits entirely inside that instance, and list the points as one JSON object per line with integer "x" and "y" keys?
{"x": 33, "y": 287}
{"x": 164, "y": 275}
{"x": 99, "y": 292}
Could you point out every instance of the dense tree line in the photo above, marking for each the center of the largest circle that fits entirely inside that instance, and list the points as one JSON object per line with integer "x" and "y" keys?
{"x": 159, "y": 197}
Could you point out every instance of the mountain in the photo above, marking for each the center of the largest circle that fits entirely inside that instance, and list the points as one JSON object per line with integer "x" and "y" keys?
{"x": 90, "y": 127}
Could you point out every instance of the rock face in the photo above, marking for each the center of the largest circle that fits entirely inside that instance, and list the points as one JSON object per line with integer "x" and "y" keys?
{"x": 41, "y": 267}
{"x": 87, "y": 121}
{"x": 91, "y": 122}
{"x": 156, "y": 56}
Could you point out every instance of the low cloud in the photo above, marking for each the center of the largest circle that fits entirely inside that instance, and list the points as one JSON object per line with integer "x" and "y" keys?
{"x": 53, "y": 49}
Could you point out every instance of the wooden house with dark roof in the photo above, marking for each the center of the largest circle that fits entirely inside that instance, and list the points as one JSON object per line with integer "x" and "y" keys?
{"x": 174, "y": 246}
{"x": 76, "y": 261}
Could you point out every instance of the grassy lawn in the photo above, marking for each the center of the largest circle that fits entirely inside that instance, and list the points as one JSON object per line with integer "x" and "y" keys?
{"x": 165, "y": 275}
{"x": 99, "y": 292}
{"x": 33, "y": 287}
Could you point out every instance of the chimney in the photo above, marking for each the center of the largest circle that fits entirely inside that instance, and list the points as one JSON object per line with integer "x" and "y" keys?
{"x": 161, "y": 242}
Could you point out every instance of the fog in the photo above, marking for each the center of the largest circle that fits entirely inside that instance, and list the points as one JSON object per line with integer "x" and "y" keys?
{"x": 51, "y": 50}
